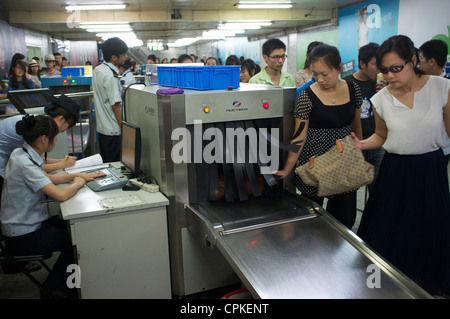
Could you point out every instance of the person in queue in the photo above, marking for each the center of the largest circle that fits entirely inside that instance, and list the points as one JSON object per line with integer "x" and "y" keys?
{"x": 303, "y": 76}
{"x": 410, "y": 227}
{"x": 18, "y": 79}
{"x": 366, "y": 78}
{"x": 127, "y": 75}
{"x": 185, "y": 58}
{"x": 211, "y": 61}
{"x": 248, "y": 69}
{"x": 303, "y": 86}
{"x": 26, "y": 227}
{"x": 326, "y": 111}
{"x": 151, "y": 59}
{"x": 433, "y": 57}
{"x": 50, "y": 63}
{"x": 274, "y": 54}
{"x": 232, "y": 60}
{"x": 33, "y": 71}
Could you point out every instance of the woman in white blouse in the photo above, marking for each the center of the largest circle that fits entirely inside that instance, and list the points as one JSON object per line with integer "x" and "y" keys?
{"x": 407, "y": 216}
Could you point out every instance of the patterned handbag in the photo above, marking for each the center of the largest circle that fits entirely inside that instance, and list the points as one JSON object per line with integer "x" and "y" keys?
{"x": 339, "y": 170}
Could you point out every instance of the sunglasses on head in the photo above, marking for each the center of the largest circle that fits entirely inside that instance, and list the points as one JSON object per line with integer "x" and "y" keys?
{"x": 392, "y": 69}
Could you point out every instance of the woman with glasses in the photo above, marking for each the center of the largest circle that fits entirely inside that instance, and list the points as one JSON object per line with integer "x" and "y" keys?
{"x": 326, "y": 111}
{"x": 274, "y": 54}
{"x": 17, "y": 78}
{"x": 407, "y": 216}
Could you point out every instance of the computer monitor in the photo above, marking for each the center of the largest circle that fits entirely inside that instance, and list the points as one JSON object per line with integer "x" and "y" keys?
{"x": 130, "y": 152}
{"x": 23, "y": 99}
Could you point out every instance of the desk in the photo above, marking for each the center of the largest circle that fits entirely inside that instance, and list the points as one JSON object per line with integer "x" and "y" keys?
{"x": 122, "y": 253}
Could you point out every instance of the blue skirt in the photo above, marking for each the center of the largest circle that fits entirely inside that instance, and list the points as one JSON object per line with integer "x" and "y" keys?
{"x": 407, "y": 218}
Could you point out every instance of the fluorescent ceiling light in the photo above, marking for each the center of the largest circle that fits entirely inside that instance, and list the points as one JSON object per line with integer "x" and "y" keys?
{"x": 238, "y": 26}
{"x": 128, "y": 37}
{"x": 224, "y": 33}
{"x": 113, "y": 25}
{"x": 182, "y": 42}
{"x": 105, "y": 26}
{"x": 249, "y": 21}
{"x": 189, "y": 41}
{"x": 211, "y": 37}
{"x": 124, "y": 29}
{"x": 259, "y": 24}
{"x": 104, "y": 22}
{"x": 121, "y": 35}
{"x": 96, "y": 7}
{"x": 263, "y": 5}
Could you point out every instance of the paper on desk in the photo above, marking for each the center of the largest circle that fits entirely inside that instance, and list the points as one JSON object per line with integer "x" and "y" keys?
{"x": 122, "y": 201}
{"x": 89, "y": 163}
{"x": 88, "y": 169}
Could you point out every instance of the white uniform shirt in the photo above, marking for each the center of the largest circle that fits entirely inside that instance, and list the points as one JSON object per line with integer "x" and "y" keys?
{"x": 9, "y": 140}
{"x": 107, "y": 92}
{"x": 127, "y": 78}
{"x": 418, "y": 130}
{"x": 22, "y": 209}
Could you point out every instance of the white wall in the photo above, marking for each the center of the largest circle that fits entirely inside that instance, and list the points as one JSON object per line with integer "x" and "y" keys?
{"x": 421, "y": 20}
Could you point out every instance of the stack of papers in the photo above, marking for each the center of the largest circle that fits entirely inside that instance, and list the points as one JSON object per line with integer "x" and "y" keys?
{"x": 91, "y": 163}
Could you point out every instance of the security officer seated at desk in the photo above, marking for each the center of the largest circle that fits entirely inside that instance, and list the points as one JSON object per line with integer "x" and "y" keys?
{"x": 25, "y": 225}
{"x": 63, "y": 110}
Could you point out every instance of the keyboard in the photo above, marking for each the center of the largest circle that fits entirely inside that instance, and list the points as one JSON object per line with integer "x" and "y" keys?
{"x": 114, "y": 179}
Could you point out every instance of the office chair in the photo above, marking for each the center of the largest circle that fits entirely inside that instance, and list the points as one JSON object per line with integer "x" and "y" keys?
{"x": 18, "y": 260}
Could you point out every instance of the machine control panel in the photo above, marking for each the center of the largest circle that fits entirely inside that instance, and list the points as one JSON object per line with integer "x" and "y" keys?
{"x": 234, "y": 105}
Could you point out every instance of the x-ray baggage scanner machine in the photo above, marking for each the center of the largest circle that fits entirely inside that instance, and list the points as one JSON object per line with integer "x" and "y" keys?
{"x": 229, "y": 222}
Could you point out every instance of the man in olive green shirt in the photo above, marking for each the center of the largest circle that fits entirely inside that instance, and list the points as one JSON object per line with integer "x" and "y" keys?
{"x": 274, "y": 54}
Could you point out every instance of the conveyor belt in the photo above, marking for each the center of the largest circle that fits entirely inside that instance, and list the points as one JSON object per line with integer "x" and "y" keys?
{"x": 257, "y": 212}
{"x": 283, "y": 249}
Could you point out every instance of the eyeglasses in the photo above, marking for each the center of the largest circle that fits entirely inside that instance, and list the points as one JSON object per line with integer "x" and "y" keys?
{"x": 278, "y": 57}
{"x": 392, "y": 69}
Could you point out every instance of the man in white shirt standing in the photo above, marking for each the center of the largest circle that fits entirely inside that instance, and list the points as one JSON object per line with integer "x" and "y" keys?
{"x": 433, "y": 56}
{"x": 108, "y": 98}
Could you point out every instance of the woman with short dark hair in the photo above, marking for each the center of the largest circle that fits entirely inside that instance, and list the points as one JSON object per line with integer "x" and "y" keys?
{"x": 326, "y": 111}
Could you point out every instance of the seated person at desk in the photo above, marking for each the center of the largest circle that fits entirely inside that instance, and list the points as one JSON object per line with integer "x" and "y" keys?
{"x": 25, "y": 225}
{"x": 63, "y": 110}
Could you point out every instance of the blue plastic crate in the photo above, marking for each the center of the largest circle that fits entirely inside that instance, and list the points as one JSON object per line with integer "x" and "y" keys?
{"x": 167, "y": 75}
{"x": 201, "y": 77}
